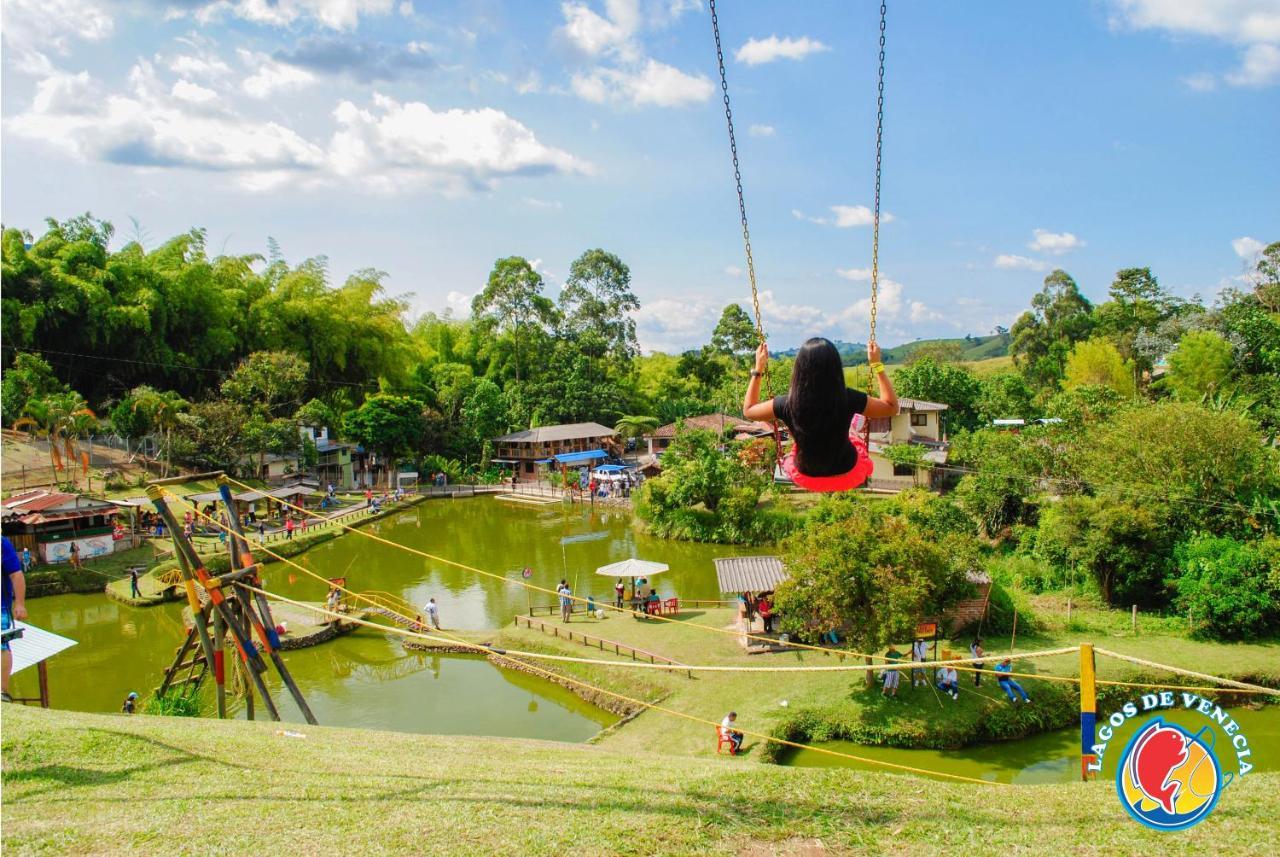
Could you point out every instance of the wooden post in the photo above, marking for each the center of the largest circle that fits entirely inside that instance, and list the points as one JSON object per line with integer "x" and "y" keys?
{"x": 219, "y": 664}
{"x": 42, "y": 670}
{"x": 1135, "y": 620}
{"x": 1014, "y": 637}
{"x": 1088, "y": 709}
{"x": 1068, "y": 610}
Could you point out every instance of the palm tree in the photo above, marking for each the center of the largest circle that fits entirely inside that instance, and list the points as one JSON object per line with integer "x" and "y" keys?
{"x": 635, "y": 426}
{"x": 62, "y": 418}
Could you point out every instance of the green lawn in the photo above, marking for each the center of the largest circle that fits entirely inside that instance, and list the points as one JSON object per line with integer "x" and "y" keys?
{"x": 99, "y": 784}
{"x": 916, "y": 718}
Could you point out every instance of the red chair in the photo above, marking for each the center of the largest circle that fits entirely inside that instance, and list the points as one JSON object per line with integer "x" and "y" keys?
{"x": 671, "y": 606}
{"x": 723, "y": 740}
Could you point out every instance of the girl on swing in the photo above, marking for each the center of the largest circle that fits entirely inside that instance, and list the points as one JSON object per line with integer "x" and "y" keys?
{"x": 824, "y": 416}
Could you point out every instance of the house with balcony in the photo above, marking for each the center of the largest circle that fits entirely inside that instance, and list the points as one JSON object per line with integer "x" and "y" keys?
{"x": 554, "y": 447}
{"x": 919, "y": 423}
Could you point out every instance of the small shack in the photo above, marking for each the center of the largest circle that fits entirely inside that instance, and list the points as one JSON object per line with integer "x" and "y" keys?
{"x": 749, "y": 573}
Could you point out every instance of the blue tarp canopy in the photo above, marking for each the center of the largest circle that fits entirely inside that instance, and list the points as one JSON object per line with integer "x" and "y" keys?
{"x": 610, "y": 468}
{"x": 571, "y": 457}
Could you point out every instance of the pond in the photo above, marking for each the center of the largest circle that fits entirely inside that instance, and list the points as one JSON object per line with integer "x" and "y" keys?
{"x": 367, "y": 679}
{"x": 1053, "y": 757}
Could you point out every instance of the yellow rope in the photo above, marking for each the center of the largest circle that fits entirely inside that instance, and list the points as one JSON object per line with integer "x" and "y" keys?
{"x": 560, "y": 677}
{"x": 1192, "y": 673}
{"x": 908, "y": 665}
{"x": 535, "y": 588}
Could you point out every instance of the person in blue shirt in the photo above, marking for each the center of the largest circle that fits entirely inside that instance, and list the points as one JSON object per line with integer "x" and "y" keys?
{"x": 1007, "y": 684}
{"x": 14, "y": 606}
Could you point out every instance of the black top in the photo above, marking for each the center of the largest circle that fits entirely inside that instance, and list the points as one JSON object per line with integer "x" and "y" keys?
{"x": 824, "y": 450}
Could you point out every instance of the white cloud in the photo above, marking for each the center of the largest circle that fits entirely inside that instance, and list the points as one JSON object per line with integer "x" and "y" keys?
{"x": 459, "y": 303}
{"x": 760, "y": 51}
{"x": 1260, "y": 66}
{"x": 198, "y": 65}
{"x": 405, "y": 9}
{"x": 534, "y": 202}
{"x": 334, "y": 14}
{"x": 733, "y": 270}
{"x": 1057, "y": 243}
{"x": 856, "y": 274}
{"x": 651, "y": 84}
{"x": 1014, "y": 262}
{"x": 271, "y": 76}
{"x": 1253, "y": 25}
{"x": 674, "y": 324}
{"x": 530, "y": 83}
{"x": 185, "y": 90}
{"x": 844, "y": 216}
{"x": 32, "y": 28}
{"x": 394, "y": 143}
{"x": 1202, "y": 82}
{"x": 921, "y": 312}
{"x": 386, "y": 146}
{"x": 623, "y": 74}
{"x": 1247, "y": 248}
{"x": 762, "y": 130}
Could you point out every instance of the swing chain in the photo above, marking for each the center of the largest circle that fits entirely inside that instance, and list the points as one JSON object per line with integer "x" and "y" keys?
{"x": 875, "y": 229}
{"x": 737, "y": 173}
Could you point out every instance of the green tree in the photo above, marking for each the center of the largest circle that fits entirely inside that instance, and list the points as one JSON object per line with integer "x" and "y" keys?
{"x": 163, "y": 411}
{"x": 943, "y": 382}
{"x": 1201, "y": 366}
{"x": 635, "y": 427}
{"x": 1123, "y": 546}
{"x": 869, "y": 576}
{"x": 1041, "y": 337}
{"x": 735, "y": 332}
{"x": 1203, "y": 469}
{"x": 1005, "y": 395}
{"x": 393, "y": 426}
{"x": 597, "y": 300}
{"x": 270, "y": 382}
{"x": 512, "y": 303}
{"x": 941, "y": 352}
{"x": 1266, "y": 277}
{"x": 1229, "y": 590}
{"x": 484, "y": 414}
{"x": 1138, "y": 305}
{"x": 1005, "y": 470}
{"x": 62, "y": 419}
{"x": 1098, "y": 363}
{"x": 30, "y": 377}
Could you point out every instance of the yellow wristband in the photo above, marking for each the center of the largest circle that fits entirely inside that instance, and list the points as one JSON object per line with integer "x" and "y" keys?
{"x": 877, "y": 368}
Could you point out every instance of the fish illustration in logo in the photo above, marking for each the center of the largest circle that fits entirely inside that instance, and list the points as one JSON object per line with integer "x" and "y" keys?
{"x": 1167, "y": 778}
{"x": 1156, "y": 753}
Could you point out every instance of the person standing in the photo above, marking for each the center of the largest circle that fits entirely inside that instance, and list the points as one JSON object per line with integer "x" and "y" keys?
{"x": 919, "y": 651}
{"x": 619, "y": 589}
{"x": 566, "y": 600}
{"x": 134, "y": 591}
{"x": 891, "y": 677}
{"x": 288, "y": 528}
{"x": 75, "y": 554}
{"x": 433, "y": 613}
{"x": 765, "y": 609}
{"x": 26, "y": 560}
{"x": 13, "y": 607}
{"x": 976, "y": 651}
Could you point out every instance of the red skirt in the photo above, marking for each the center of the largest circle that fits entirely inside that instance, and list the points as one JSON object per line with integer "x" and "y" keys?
{"x": 842, "y": 481}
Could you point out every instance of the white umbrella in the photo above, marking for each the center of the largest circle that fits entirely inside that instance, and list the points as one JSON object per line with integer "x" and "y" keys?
{"x": 633, "y": 568}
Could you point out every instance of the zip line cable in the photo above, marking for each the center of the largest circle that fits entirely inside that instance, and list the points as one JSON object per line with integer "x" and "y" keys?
{"x": 963, "y": 664}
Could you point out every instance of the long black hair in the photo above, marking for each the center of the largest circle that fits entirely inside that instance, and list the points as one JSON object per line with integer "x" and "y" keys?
{"x": 817, "y": 402}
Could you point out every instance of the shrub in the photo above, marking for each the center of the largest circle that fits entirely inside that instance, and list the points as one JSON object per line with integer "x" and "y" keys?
{"x": 175, "y": 703}
{"x": 1230, "y": 589}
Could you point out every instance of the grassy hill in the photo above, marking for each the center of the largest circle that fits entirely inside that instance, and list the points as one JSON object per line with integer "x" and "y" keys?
{"x": 969, "y": 349}
{"x": 98, "y": 784}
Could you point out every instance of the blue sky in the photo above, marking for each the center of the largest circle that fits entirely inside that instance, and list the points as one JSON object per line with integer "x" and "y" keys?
{"x": 429, "y": 138}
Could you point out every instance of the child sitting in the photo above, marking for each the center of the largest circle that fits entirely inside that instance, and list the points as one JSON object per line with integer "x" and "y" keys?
{"x": 829, "y": 453}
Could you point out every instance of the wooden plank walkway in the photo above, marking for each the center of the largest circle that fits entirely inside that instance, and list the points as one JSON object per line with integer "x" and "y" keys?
{"x": 561, "y": 630}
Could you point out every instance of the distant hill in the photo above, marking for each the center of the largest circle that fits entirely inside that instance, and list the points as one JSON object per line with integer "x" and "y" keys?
{"x": 971, "y": 348}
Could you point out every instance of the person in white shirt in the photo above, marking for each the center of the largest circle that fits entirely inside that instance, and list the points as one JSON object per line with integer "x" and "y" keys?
{"x": 949, "y": 682}
{"x": 727, "y": 730}
{"x": 433, "y": 613}
{"x": 919, "y": 651}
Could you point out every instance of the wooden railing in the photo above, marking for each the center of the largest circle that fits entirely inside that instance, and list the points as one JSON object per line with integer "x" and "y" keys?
{"x": 601, "y": 643}
{"x": 610, "y": 604}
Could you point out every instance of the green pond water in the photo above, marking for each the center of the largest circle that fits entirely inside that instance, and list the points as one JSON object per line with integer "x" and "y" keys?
{"x": 367, "y": 679}
{"x": 1053, "y": 757}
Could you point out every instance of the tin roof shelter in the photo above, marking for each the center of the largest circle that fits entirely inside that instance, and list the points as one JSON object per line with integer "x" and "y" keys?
{"x": 749, "y": 573}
